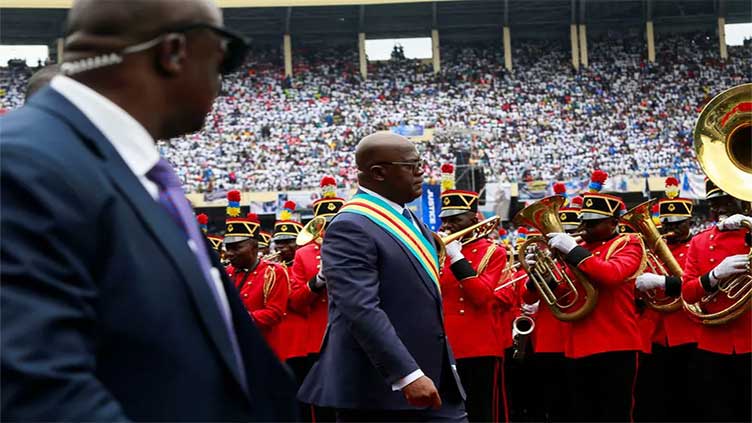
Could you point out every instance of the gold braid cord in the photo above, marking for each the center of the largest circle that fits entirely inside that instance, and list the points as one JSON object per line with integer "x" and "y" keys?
{"x": 270, "y": 278}
{"x": 619, "y": 245}
{"x": 486, "y": 258}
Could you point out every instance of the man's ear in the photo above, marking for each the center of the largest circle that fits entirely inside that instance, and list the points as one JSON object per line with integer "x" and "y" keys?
{"x": 377, "y": 172}
{"x": 172, "y": 55}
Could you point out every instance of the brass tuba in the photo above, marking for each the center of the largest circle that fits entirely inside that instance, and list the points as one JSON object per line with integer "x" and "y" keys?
{"x": 659, "y": 258}
{"x": 722, "y": 143}
{"x": 579, "y": 296}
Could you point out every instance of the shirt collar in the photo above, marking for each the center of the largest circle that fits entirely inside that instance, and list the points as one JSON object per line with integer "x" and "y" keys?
{"x": 130, "y": 139}
{"x": 391, "y": 203}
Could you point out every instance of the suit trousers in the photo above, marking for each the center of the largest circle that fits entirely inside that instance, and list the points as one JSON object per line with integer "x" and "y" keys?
{"x": 602, "y": 387}
{"x": 724, "y": 386}
{"x": 665, "y": 390}
{"x": 481, "y": 377}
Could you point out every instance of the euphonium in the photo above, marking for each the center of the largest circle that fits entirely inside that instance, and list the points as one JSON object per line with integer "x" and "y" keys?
{"x": 659, "y": 258}
{"x": 735, "y": 293}
{"x": 723, "y": 148}
{"x": 479, "y": 230}
{"x": 576, "y": 297}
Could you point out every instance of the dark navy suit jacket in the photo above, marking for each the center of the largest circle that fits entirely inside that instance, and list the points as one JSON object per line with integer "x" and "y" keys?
{"x": 105, "y": 312}
{"x": 385, "y": 321}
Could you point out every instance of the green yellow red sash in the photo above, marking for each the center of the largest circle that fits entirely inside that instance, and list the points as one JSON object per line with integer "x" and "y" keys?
{"x": 399, "y": 227}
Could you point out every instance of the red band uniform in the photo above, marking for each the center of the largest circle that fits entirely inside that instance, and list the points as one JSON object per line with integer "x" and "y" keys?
{"x": 307, "y": 297}
{"x": 724, "y": 354}
{"x": 263, "y": 286}
{"x": 467, "y": 286}
{"x": 604, "y": 344}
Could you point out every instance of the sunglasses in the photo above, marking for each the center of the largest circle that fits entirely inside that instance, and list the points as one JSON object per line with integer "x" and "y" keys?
{"x": 235, "y": 45}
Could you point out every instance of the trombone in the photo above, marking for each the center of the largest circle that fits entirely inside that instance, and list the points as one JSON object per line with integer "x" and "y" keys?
{"x": 479, "y": 230}
{"x": 312, "y": 231}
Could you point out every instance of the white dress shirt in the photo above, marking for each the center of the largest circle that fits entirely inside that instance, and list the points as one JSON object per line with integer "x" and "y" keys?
{"x": 414, "y": 375}
{"x": 131, "y": 141}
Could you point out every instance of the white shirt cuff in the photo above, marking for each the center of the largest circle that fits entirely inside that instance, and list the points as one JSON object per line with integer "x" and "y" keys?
{"x": 412, "y": 377}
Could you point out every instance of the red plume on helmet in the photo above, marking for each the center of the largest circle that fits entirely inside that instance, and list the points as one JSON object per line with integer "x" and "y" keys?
{"x": 560, "y": 188}
{"x": 253, "y": 217}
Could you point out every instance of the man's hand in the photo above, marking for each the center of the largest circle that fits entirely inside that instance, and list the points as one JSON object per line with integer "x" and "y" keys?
{"x": 454, "y": 251}
{"x": 648, "y": 281}
{"x": 561, "y": 241}
{"x": 730, "y": 266}
{"x": 422, "y": 393}
{"x": 734, "y": 222}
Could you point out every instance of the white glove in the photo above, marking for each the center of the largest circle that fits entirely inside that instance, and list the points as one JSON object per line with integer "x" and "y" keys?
{"x": 454, "y": 251}
{"x": 648, "y": 281}
{"x": 730, "y": 266}
{"x": 530, "y": 308}
{"x": 734, "y": 222}
{"x": 530, "y": 259}
{"x": 561, "y": 241}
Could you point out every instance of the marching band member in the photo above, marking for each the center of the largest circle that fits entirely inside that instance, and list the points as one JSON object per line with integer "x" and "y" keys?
{"x": 265, "y": 240}
{"x": 293, "y": 330}
{"x": 665, "y": 389}
{"x": 308, "y": 295}
{"x": 215, "y": 241}
{"x": 262, "y": 285}
{"x": 724, "y": 356}
{"x": 470, "y": 274}
{"x": 548, "y": 338}
{"x": 603, "y": 344}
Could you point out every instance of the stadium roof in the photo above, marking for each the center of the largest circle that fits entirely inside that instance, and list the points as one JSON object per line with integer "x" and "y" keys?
{"x": 65, "y": 4}
{"x": 338, "y": 21}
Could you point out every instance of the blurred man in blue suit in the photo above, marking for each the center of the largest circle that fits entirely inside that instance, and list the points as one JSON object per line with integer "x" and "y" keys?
{"x": 113, "y": 306}
{"x": 385, "y": 355}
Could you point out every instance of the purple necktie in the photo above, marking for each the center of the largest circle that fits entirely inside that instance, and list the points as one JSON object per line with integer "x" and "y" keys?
{"x": 172, "y": 198}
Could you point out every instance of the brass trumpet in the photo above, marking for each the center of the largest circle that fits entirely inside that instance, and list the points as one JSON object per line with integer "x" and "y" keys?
{"x": 659, "y": 258}
{"x": 579, "y": 296}
{"x": 271, "y": 256}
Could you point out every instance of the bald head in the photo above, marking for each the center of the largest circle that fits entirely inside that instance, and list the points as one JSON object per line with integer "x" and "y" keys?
{"x": 109, "y": 25}
{"x": 389, "y": 164}
{"x": 380, "y": 147}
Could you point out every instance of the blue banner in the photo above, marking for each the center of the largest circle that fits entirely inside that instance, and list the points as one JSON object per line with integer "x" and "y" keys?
{"x": 431, "y": 206}
{"x": 408, "y": 130}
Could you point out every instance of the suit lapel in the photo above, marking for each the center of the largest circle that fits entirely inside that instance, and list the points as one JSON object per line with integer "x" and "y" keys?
{"x": 154, "y": 218}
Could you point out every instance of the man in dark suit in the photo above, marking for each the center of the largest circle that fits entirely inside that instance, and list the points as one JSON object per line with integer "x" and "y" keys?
{"x": 385, "y": 355}
{"x": 113, "y": 307}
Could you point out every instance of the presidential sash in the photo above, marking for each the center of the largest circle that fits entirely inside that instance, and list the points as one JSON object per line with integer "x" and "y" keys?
{"x": 382, "y": 214}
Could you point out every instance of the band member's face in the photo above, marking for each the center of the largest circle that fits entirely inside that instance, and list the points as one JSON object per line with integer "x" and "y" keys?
{"x": 286, "y": 248}
{"x": 263, "y": 250}
{"x": 724, "y": 206}
{"x": 599, "y": 229}
{"x": 242, "y": 254}
{"x": 680, "y": 230}
{"x": 458, "y": 222}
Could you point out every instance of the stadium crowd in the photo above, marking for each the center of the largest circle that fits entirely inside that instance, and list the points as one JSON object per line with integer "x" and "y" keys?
{"x": 543, "y": 120}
